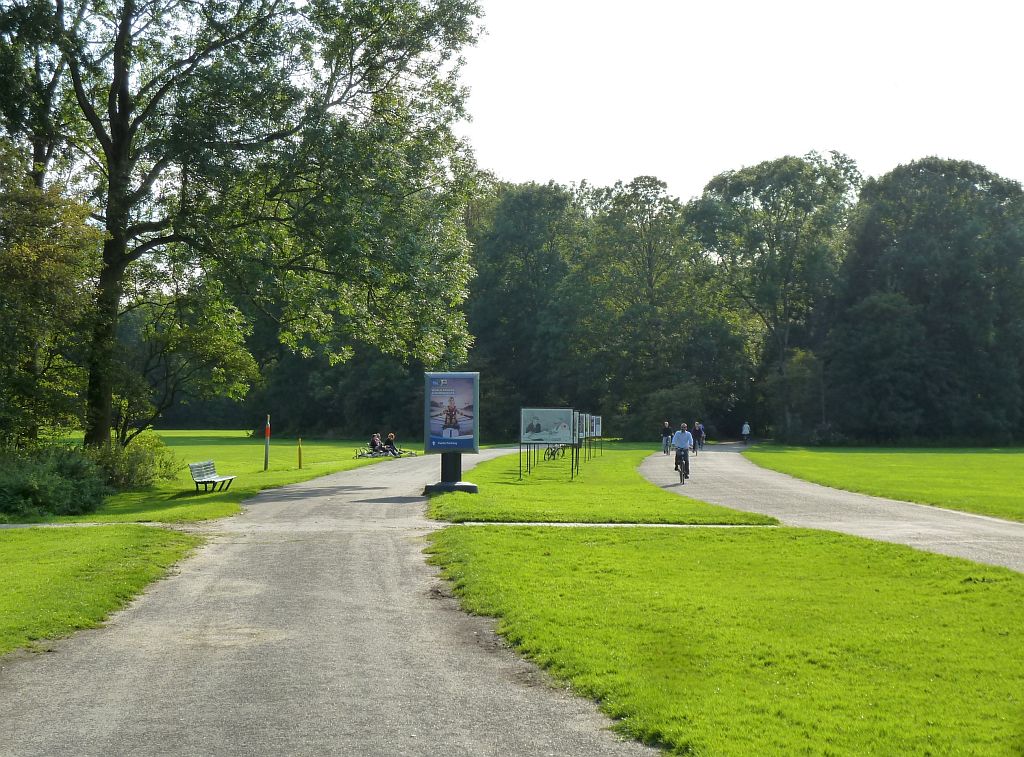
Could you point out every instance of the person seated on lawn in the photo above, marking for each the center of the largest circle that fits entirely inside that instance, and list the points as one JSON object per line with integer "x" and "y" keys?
{"x": 389, "y": 446}
{"x": 376, "y": 445}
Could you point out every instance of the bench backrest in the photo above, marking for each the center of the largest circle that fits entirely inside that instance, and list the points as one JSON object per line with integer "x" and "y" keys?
{"x": 202, "y": 470}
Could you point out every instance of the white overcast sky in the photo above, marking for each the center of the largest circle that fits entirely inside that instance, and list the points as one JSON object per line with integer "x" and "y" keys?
{"x": 598, "y": 90}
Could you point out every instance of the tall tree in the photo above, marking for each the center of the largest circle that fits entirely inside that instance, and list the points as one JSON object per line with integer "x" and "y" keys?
{"x": 216, "y": 133}
{"x": 48, "y": 253}
{"x": 522, "y": 236}
{"x": 777, "y": 230}
{"x": 929, "y": 330}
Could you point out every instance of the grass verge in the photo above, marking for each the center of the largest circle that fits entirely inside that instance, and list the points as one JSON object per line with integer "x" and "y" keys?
{"x": 607, "y": 490}
{"x": 982, "y": 481}
{"x": 752, "y": 641}
{"x": 59, "y": 580}
{"x": 236, "y": 454}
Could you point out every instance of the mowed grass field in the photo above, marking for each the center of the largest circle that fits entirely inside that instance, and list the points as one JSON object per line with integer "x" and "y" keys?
{"x": 982, "y": 481}
{"x": 607, "y": 490}
{"x": 234, "y": 453}
{"x": 59, "y": 580}
{"x": 746, "y": 640}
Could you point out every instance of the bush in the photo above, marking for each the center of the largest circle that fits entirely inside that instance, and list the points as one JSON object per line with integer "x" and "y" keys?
{"x": 47, "y": 481}
{"x": 142, "y": 463}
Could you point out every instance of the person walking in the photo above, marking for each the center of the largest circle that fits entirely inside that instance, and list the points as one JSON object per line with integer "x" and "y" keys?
{"x": 666, "y": 437}
{"x": 746, "y": 432}
{"x": 682, "y": 440}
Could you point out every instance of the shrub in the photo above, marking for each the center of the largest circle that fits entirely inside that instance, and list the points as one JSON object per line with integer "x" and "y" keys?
{"x": 143, "y": 462}
{"x": 45, "y": 481}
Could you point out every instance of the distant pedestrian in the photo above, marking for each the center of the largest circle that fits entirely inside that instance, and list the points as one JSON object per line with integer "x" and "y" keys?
{"x": 666, "y": 437}
{"x": 698, "y": 436}
{"x": 682, "y": 440}
{"x": 746, "y": 432}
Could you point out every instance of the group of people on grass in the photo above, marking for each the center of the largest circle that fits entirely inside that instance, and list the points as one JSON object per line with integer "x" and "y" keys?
{"x": 684, "y": 441}
{"x": 380, "y": 447}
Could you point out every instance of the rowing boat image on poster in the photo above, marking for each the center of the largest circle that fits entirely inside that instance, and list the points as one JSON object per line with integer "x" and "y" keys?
{"x": 451, "y": 404}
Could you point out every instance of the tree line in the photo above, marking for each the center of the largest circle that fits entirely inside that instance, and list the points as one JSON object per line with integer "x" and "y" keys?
{"x": 794, "y": 294}
{"x": 209, "y": 212}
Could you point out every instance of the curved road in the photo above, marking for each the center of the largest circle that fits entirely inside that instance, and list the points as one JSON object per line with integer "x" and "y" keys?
{"x": 722, "y": 476}
{"x": 308, "y": 625}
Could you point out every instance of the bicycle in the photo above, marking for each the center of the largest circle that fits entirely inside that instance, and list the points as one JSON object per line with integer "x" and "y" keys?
{"x": 554, "y": 450}
{"x": 666, "y": 442}
{"x": 682, "y": 465}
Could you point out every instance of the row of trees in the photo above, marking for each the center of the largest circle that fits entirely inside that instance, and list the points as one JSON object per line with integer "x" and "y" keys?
{"x": 793, "y": 294}
{"x": 264, "y": 199}
{"x": 790, "y": 293}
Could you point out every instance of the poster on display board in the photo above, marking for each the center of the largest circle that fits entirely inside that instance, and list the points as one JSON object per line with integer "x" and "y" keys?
{"x": 583, "y": 424}
{"x": 597, "y": 425}
{"x": 450, "y": 412}
{"x": 546, "y": 425}
{"x": 593, "y": 426}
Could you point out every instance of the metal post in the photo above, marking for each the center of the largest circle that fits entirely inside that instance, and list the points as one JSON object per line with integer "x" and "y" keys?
{"x": 266, "y": 445}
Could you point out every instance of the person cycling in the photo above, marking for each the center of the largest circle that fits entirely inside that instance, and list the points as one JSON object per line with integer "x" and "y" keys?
{"x": 682, "y": 440}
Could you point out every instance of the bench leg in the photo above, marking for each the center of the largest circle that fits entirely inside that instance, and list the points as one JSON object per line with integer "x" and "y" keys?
{"x": 228, "y": 482}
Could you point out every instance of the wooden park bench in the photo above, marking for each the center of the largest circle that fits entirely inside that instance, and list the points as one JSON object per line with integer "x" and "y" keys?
{"x": 206, "y": 474}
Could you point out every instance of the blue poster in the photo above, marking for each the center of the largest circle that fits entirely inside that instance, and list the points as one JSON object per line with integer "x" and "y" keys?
{"x": 450, "y": 412}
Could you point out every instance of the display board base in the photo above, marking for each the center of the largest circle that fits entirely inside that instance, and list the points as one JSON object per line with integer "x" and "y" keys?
{"x": 451, "y": 486}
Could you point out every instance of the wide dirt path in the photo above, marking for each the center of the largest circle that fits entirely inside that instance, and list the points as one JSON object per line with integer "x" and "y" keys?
{"x": 722, "y": 476}
{"x": 309, "y": 625}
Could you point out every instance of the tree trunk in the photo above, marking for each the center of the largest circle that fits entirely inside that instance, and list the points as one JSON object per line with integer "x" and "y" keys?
{"x": 100, "y": 391}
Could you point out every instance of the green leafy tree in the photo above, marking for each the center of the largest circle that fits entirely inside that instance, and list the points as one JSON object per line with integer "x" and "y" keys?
{"x": 522, "y": 234}
{"x": 776, "y": 231}
{"x": 48, "y": 253}
{"x": 929, "y": 329}
{"x": 175, "y": 348}
{"x": 215, "y": 138}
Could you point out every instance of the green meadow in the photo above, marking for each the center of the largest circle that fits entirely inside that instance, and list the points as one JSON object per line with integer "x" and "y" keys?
{"x": 59, "y": 580}
{"x": 607, "y": 490}
{"x": 236, "y": 454}
{"x": 758, "y": 641}
{"x": 739, "y": 640}
{"x": 982, "y": 481}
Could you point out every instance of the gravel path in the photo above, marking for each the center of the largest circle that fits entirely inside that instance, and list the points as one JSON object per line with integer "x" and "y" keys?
{"x": 722, "y": 476}
{"x": 308, "y": 625}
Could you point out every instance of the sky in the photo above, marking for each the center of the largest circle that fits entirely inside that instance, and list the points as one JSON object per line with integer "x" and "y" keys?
{"x": 571, "y": 90}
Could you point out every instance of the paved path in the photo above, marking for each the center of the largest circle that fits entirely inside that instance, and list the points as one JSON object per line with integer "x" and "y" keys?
{"x": 722, "y": 476}
{"x": 309, "y": 625}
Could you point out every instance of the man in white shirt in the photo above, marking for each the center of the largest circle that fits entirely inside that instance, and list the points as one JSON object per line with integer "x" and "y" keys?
{"x": 682, "y": 440}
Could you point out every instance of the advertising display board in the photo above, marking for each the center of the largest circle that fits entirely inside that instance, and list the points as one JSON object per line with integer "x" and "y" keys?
{"x": 597, "y": 425}
{"x": 584, "y": 426}
{"x": 450, "y": 412}
{"x": 545, "y": 425}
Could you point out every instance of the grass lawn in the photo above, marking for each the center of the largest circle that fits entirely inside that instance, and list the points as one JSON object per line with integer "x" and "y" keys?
{"x": 755, "y": 641}
{"x": 58, "y": 580}
{"x": 234, "y": 454}
{"x": 983, "y": 481}
{"x": 608, "y": 490}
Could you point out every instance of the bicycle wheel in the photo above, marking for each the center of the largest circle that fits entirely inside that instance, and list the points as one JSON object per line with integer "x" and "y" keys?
{"x": 547, "y": 454}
